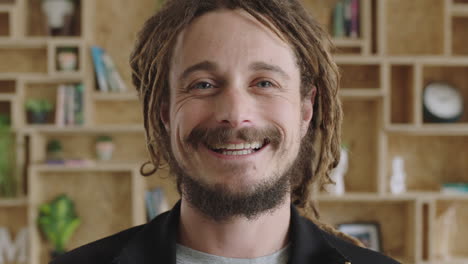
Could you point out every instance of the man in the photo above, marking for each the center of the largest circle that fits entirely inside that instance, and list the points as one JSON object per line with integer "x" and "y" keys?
{"x": 240, "y": 99}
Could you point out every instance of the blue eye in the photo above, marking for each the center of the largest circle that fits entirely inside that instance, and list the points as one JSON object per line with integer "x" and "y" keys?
{"x": 202, "y": 86}
{"x": 264, "y": 84}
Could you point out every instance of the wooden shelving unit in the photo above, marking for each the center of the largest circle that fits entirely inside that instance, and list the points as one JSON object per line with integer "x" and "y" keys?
{"x": 402, "y": 46}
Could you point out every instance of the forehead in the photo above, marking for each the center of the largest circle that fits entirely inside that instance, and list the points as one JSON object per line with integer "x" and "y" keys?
{"x": 231, "y": 38}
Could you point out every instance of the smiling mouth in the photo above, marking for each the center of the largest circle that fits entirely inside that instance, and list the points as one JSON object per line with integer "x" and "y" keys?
{"x": 238, "y": 149}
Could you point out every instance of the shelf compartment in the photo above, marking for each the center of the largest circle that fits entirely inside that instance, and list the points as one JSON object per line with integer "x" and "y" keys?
{"x": 14, "y": 219}
{"x": 36, "y": 21}
{"x": 414, "y": 27}
{"x": 24, "y": 60}
{"x": 397, "y": 233}
{"x": 360, "y": 129}
{"x": 360, "y": 76}
{"x": 117, "y": 112}
{"x": 402, "y": 94}
{"x": 454, "y": 75}
{"x": 460, "y": 35}
{"x": 77, "y": 146}
{"x": 109, "y": 194}
{"x": 429, "y": 160}
{"x": 5, "y": 26}
{"x": 7, "y": 87}
{"x": 45, "y": 90}
{"x": 450, "y": 231}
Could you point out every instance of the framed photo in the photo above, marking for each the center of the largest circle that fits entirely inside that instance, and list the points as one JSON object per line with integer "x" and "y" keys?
{"x": 366, "y": 232}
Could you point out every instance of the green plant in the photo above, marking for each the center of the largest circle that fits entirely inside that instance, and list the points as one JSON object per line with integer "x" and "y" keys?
{"x": 54, "y": 146}
{"x": 104, "y": 138}
{"x": 7, "y": 179}
{"x": 57, "y": 220}
{"x": 38, "y": 105}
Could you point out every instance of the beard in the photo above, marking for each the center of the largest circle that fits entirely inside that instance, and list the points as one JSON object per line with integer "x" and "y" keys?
{"x": 217, "y": 201}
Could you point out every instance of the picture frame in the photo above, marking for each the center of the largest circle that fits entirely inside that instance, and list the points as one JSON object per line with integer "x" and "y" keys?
{"x": 366, "y": 232}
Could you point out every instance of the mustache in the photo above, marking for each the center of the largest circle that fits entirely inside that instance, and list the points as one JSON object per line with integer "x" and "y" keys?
{"x": 221, "y": 135}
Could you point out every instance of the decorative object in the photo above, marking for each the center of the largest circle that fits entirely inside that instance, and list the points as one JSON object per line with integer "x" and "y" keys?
{"x": 57, "y": 13}
{"x": 38, "y": 110}
{"x": 54, "y": 152}
{"x": 67, "y": 59}
{"x": 57, "y": 221}
{"x": 398, "y": 179}
{"x": 442, "y": 103}
{"x": 447, "y": 225}
{"x": 338, "y": 174}
{"x": 367, "y": 232}
{"x": 7, "y": 179}
{"x": 104, "y": 148}
{"x": 13, "y": 251}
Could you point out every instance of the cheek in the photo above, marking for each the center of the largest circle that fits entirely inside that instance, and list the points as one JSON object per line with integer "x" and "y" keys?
{"x": 185, "y": 117}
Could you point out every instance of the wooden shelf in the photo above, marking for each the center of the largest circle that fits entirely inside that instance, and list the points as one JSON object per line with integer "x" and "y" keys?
{"x": 115, "y": 96}
{"x": 348, "y": 42}
{"x": 361, "y": 93}
{"x": 434, "y": 129}
{"x": 15, "y": 202}
{"x": 116, "y": 166}
{"x": 7, "y": 97}
{"x": 460, "y": 10}
{"x": 53, "y": 129}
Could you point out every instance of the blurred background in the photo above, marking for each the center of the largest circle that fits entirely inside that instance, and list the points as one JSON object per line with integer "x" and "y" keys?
{"x": 72, "y": 139}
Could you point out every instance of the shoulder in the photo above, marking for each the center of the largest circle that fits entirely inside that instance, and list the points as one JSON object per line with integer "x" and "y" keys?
{"x": 101, "y": 251}
{"x": 355, "y": 253}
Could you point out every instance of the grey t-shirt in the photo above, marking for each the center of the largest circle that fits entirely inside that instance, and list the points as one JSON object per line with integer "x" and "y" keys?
{"x": 185, "y": 255}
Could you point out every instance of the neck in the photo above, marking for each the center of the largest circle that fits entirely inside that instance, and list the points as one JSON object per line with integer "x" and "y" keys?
{"x": 238, "y": 237}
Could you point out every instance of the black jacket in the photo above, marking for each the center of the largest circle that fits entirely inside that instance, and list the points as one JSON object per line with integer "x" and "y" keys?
{"x": 155, "y": 242}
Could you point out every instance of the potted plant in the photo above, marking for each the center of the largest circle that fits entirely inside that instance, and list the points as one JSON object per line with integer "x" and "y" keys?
{"x": 54, "y": 151}
{"x": 57, "y": 13}
{"x": 7, "y": 179}
{"x": 67, "y": 59}
{"x": 38, "y": 110}
{"x": 58, "y": 220}
{"x": 104, "y": 147}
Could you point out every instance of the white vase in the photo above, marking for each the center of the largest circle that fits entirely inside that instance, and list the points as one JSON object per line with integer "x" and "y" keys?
{"x": 56, "y": 10}
{"x": 104, "y": 150}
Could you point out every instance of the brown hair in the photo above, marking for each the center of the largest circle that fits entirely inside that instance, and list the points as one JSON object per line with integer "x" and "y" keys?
{"x": 150, "y": 63}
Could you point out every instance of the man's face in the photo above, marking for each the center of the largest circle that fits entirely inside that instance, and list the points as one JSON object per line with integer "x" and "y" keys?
{"x": 231, "y": 74}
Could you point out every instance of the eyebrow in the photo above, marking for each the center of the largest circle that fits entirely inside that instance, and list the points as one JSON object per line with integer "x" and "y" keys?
{"x": 212, "y": 66}
{"x": 262, "y": 66}
{"x": 202, "y": 66}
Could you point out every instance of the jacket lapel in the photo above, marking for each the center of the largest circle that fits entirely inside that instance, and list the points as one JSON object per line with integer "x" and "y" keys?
{"x": 156, "y": 242}
{"x": 310, "y": 244}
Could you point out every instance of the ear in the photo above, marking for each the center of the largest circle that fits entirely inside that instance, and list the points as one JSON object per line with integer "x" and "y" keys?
{"x": 307, "y": 110}
{"x": 164, "y": 114}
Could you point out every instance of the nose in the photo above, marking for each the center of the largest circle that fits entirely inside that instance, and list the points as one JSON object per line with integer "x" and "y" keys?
{"x": 234, "y": 107}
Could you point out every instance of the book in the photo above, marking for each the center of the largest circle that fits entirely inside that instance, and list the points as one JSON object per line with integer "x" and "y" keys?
{"x": 455, "y": 188}
{"x": 354, "y": 33}
{"x": 70, "y": 105}
{"x": 115, "y": 81}
{"x": 60, "y": 106}
{"x": 78, "y": 103}
{"x": 347, "y": 17}
{"x": 156, "y": 202}
{"x": 338, "y": 20}
{"x": 99, "y": 68}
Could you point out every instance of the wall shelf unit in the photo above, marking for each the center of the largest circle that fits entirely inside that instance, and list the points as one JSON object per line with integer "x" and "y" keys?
{"x": 402, "y": 46}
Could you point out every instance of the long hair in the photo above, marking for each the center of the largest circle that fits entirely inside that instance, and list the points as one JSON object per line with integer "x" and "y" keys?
{"x": 150, "y": 63}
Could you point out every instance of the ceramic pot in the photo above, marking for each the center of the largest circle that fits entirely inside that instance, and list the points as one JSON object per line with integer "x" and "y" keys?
{"x": 104, "y": 150}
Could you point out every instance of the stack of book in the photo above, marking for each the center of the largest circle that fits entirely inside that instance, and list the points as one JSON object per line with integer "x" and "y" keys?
{"x": 346, "y": 19}
{"x": 107, "y": 76}
{"x": 69, "y": 110}
{"x": 455, "y": 188}
{"x": 156, "y": 203}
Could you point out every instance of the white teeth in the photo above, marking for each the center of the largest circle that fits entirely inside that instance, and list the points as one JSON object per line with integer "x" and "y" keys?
{"x": 241, "y": 146}
{"x": 239, "y": 152}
